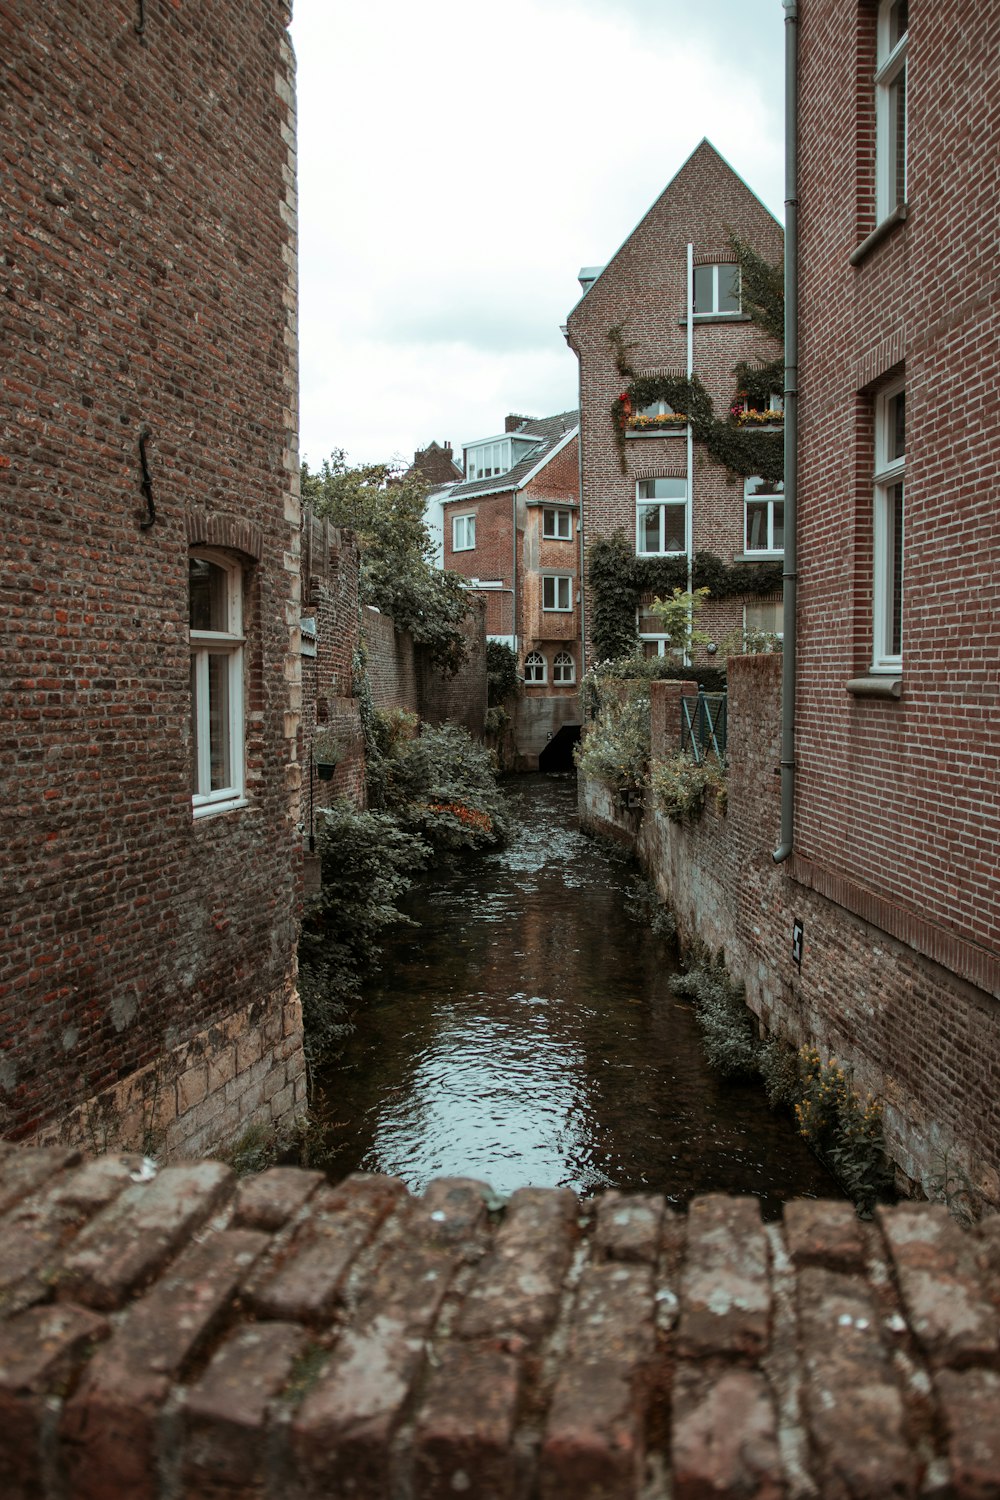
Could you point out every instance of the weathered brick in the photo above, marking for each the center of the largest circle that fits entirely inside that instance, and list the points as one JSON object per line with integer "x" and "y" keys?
{"x": 463, "y": 1433}
{"x": 724, "y": 1438}
{"x": 970, "y": 1401}
{"x": 725, "y": 1296}
{"x": 41, "y": 1351}
{"x": 109, "y": 1424}
{"x": 135, "y": 1236}
{"x": 343, "y": 1220}
{"x": 628, "y": 1226}
{"x": 269, "y": 1199}
{"x": 854, "y": 1407}
{"x": 946, "y": 1303}
{"x": 517, "y": 1288}
{"x": 23, "y": 1172}
{"x": 819, "y": 1233}
{"x": 226, "y": 1410}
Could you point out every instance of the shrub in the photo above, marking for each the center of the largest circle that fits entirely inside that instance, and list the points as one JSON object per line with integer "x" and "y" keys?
{"x": 681, "y": 785}
{"x": 844, "y": 1132}
{"x": 614, "y": 749}
{"x": 503, "y": 681}
{"x": 726, "y": 1022}
{"x": 443, "y": 786}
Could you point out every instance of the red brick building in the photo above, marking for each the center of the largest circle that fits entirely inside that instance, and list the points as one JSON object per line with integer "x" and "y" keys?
{"x": 897, "y": 803}
{"x": 510, "y": 527}
{"x": 150, "y": 577}
{"x": 658, "y": 485}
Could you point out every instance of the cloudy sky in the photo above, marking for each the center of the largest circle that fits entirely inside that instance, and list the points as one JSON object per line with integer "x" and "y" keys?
{"x": 459, "y": 162}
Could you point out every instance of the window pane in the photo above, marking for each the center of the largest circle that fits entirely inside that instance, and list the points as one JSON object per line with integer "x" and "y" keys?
{"x": 897, "y": 101}
{"x": 756, "y": 526}
{"x": 704, "y": 280}
{"x": 674, "y": 538}
{"x": 662, "y": 489}
{"x": 208, "y": 588}
{"x": 194, "y": 725}
{"x": 729, "y": 288}
{"x": 649, "y": 528}
{"x": 894, "y": 634}
{"x": 779, "y": 524}
{"x": 898, "y": 21}
{"x": 220, "y": 749}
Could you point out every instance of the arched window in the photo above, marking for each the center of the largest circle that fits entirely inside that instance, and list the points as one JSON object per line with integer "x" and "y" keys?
{"x": 535, "y": 668}
{"x": 215, "y": 597}
{"x": 563, "y": 668}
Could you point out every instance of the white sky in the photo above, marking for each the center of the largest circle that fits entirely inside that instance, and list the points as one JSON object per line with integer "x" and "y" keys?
{"x": 459, "y": 162}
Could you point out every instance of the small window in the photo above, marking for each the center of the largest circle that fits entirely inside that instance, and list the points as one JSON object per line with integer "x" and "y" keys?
{"x": 557, "y": 524}
{"x": 661, "y": 517}
{"x": 563, "y": 668}
{"x": 764, "y": 507}
{"x": 716, "y": 290}
{"x": 887, "y": 594}
{"x": 463, "y": 533}
{"x": 557, "y": 592}
{"x": 890, "y": 108}
{"x": 763, "y": 625}
{"x": 535, "y": 669}
{"x": 215, "y": 600}
{"x": 652, "y": 641}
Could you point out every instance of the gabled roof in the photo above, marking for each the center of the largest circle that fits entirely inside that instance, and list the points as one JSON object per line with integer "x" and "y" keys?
{"x": 552, "y": 434}
{"x": 704, "y": 145}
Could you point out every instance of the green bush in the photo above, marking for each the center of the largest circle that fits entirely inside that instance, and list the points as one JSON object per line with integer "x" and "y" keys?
{"x": 614, "y": 749}
{"x": 442, "y": 785}
{"x": 503, "y": 680}
{"x": 726, "y": 1022}
{"x": 681, "y": 785}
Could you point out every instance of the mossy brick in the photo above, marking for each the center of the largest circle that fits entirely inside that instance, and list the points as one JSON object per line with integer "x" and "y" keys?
{"x": 41, "y": 1351}
{"x": 342, "y": 1221}
{"x": 970, "y": 1403}
{"x": 595, "y": 1432}
{"x": 517, "y": 1287}
{"x": 226, "y": 1411}
{"x": 853, "y": 1405}
{"x": 820, "y": 1233}
{"x": 724, "y": 1435}
{"x": 23, "y": 1172}
{"x": 628, "y": 1226}
{"x": 725, "y": 1291}
{"x": 133, "y": 1238}
{"x": 464, "y": 1428}
{"x": 108, "y": 1427}
{"x": 947, "y": 1305}
{"x": 267, "y": 1200}
{"x": 454, "y": 1211}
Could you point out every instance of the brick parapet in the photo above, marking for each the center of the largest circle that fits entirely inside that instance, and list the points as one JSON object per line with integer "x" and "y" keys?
{"x": 183, "y": 1333}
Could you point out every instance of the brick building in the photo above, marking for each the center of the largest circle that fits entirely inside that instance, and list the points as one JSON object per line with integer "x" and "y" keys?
{"x": 510, "y": 527}
{"x": 150, "y": 578}
{"x": 657, "y": 484}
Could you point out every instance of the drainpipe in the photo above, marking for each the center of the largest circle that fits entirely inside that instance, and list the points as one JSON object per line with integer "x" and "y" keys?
{"x": 513, "y": 576}
{"x": 688, "y": 655}
{"x": 790, "y": 574}
{"x": 584, "y": 661}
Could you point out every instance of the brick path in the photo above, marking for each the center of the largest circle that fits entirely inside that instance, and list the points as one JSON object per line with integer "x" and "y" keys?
{"x": 190, "y": 1336}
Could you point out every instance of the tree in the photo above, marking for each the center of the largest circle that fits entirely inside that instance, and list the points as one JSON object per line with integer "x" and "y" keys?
{"x": 384, "y": 507}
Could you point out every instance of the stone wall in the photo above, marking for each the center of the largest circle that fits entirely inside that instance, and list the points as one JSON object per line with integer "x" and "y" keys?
{"x": 916, "y": 1036}
{"x": 150, "y": 215}
{"x": 181, "y": 1333}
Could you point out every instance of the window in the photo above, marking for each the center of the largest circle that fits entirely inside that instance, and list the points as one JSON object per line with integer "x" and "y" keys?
{"x": 661, "y": 516}
{"x": 534, "y": 667}
{"x": 764, "y": 505}
{"x": 887, "y": 596}
{"x": 488, "y": 459}
{"x": 563, "y": 668}
{"x": 556, "y": 591}
{"x": 463, "y": 533}
{"x": 763, "y": 625}
{"x": 215, "y": 594}
{"x": 890, "y": 108}
{"x": 652, "y": 641}
{"x": 716, "y": 290}
{"x": 557, "y": 524}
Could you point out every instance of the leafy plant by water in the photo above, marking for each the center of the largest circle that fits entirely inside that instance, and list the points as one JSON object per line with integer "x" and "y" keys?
{"x": 725, "y": 1020}
{"x": 681, "y": 785}
{"x": 614, "y": 749}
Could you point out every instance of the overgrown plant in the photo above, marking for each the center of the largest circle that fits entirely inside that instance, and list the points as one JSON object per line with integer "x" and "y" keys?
{"x": 726, "y": 1022}
{"x": 844, "y": 1130}
{"x": 614, "y": 749}
{"x": 681, "y": 785}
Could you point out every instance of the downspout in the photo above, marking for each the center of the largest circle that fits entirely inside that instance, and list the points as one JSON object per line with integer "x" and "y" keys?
{"x": 689, "y": 654}
{"x": 790, "y": 573}
{"x": 583, "y": 542}
{"x": 513, "y": 577}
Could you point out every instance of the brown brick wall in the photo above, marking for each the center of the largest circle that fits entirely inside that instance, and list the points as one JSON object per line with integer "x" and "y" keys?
{"x": 330, "y": 717}
{"x": 898, "y": 801}
{"x": 148, "y": 188}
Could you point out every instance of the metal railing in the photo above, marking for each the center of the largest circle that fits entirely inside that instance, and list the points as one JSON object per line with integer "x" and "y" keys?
{"x": 703, "y": 726}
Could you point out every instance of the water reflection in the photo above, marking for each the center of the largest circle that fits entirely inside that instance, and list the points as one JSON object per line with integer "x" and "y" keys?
{"x": 526, "y": 1033}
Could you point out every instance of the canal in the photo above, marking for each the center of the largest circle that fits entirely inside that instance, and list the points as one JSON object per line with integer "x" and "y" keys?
{"x": 525, "y": 1033}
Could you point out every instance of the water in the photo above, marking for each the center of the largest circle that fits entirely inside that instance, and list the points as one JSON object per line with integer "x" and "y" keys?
{"x": 526, "y": 1033}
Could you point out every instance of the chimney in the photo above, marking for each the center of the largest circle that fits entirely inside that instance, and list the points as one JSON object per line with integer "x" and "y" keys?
{"x": 587, "y": 275}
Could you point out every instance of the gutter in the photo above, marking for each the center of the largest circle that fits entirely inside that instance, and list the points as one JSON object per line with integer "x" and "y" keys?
{"x": 790, "y": 573}
{"x": 689, "y": 653}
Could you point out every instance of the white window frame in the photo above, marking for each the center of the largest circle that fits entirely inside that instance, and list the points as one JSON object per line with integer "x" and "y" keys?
{"x": 553, "y": 520}
{"x": 775, "y": 496}
{"x": 645, "y": 502}
{"x": 715, "y": 311}
{"x": 888, "y": 539}
{"x": 559, "y": 586}
{"x": 463, "y": 533}
{"x": 653, "y": 638}
{"x": 563, "y": 669}
{"x": 774, "y": 605}
{"x": 489, "y": 459}
{"x": 205, "y": 798}
{"x": 890, "y": 102}
{"x": 532, "y": 662}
